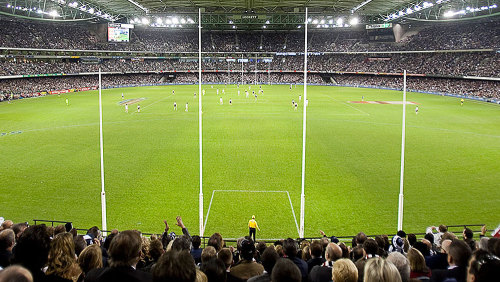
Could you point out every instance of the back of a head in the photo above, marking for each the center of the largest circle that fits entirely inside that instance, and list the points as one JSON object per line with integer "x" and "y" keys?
{"x": 90, "y": 258}
{"x": 401, "y": 263}
{"x": 216, "y": 241}
{"x": 269, "y": 258}
{"x": 484, "y": 267}
{"x": 344, "y": 270}
{"x": 333, "y": 252}
{"x": 181, "y": 243}
{"x": 468, "y": 233}
{"x": 15, "y": 273}
{"x": 361, "y": 238}
{"x": 215, "y": 270}
{"x": 80, "y": 244}
{"x": 7, "y": 239}
{"x": 247, "y": 249}
{"x": 208, "y": 253}
{"x": 196, "y": 241}
{"x": 174, "y": 266}
{"x": 316, "y": 248}
{"x": 443, "y": 228}
{"x": 460, "y": 252}
{"x": 285, "y": 271}
{"x": 358, "y": 252}
{"x": 290, "y": 248}
{"x": 422, "y": 248}
{"x": 155, "y": 249}
{"x": 371, "y": 247}
{"x": 125, "y": 248}
{"x": 226, "y": 256}
{"x": 32, "y": 248}
{"x": 412, "y": 238}
{"x": 380, "y": 270}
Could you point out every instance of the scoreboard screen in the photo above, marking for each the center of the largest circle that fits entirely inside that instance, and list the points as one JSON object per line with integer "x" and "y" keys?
{"x": 118, "y": 33}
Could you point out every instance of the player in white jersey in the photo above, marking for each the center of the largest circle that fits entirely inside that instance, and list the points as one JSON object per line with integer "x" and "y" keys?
{"x": 122, "y": 95}
{"x": 230, "y": 102}
{"x": 290, "y": 86}
{"x": 416, "y": 110}
{"x": 67, "y": 101}
{"x": 296, "y": 105}
{"x": 217, "y": 91}
{"x": 203, "y": 91}
{"x": 238, "y": 92}
{"x": 186, "y": 107}
{"x": 138, "y": 108}
{"x": 223, "y": 91}
{"x": 246, "y": 93}
{"x": 173, "y": 92}
{"x": 300, "y": 97}
{"x": 220, "y": 101}
{"x": 306, "y": 103}
{"x": 126, "y": 108}
{"x": 175, "y": 106}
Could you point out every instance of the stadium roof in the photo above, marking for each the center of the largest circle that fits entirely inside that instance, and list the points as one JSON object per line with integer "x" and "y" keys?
{"x": 369, "y": 10}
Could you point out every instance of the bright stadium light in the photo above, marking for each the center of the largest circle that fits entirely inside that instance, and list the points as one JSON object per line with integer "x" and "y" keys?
{"x": 145, "y": 21}
{"x": 53, "y": 13}
{"x": 8, "y": 5}
{"x": 190, "y": 20}
{"x": 330, "y": 21}
{"x": 322, "y": 22}
{"x": 340, "y": 21}
{"x": 315, "y": 21}
{"x": 175, "y": 20}
{"x": 183, "y": 21}
{"x": 159, "y": 21}
{"x": 267, "y": 22}
{"x": 91, "y": 11}
{"x": 136, "y": 20}
{"x": 234, "y": 27}
{"x": 169, "y": 21}
{"x": 264, "y": 26}
{"x": 73, "y": 5}
{"x": 354, "y": 21}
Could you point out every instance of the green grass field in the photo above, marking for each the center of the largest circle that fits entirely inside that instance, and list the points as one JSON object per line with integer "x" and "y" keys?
{"x": 51, "y": 163}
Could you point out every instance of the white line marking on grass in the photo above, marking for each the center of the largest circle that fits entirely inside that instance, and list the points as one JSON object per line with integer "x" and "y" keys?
{"x": 154, "y": 103}
{"x": 365, "y": 113}
{"x": 251, "y": 191}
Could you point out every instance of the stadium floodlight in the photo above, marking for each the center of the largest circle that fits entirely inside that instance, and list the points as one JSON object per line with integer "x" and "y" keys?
{"x": 354, "y": 21}
{"x": 267, "y": 22}
{"x": 190, "y": 20}
{"x": 175, "y": 20}
{"x": 230, "y": 22}
{"x": 315, "y": 21}
{"x": 159, "y": 21}
{"x": 264, "y": 26}
{"x": 54, "y": 13}
{"x": 409, "y": 11}
{"x": 299, "y": 26}
{"x": 91, "y": 11}
{"x": 169, "y": 21}
{"x": 427, "y": 4}
{"x": 39, "y": 11}
{"x": 183, "y": 21}
{"x": 137, "y": 20}
{"x": 145, "y": 21}
{"x": 330, "y": 21}
{"x": 234, "y": 27}
{"x": 340, "y": 21}
{"x": 318, "y": 26}
{"x": 322, "y": 21}
{"x": 8, "y": 5}
{"x": 73, "y": 4}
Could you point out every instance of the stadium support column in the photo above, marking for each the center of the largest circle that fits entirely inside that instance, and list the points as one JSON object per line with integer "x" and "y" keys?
{"x": 302, "y": 194}
{"x": 103, "y": 192}
{"x": 199, "y": 125}
{"x": 401, "y": 180}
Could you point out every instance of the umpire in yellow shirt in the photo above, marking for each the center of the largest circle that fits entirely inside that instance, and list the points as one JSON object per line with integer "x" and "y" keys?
{"x": 252, "y": 225}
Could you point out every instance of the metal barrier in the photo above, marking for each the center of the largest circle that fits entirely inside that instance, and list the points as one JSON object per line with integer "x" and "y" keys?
{"x": 456, "y": 229}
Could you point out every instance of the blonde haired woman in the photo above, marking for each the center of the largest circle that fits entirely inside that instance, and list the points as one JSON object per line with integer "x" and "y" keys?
{"x": 61, "y": 265}
{"x": 344, "y": 270}
{"x": 379, "y": 270}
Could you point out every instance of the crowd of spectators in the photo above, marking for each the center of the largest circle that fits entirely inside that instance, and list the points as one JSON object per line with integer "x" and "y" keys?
{"x": 482, "y": 64}
{"x": 452, "y": 36}
{"x": 24, "y": 87}
{"x": 41, "y": 253}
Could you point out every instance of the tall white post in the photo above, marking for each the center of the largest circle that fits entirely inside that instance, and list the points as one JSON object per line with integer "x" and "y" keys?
{"x": 103, "y": 192}
{"x": 401, "y": 180}
{"x": 302, "y": 194}
{"x": 242, "y": 70}
{"x": 199, "y": 126}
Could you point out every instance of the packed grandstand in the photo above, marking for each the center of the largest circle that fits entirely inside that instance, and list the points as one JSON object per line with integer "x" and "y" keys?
{"x": 451, "y": 58}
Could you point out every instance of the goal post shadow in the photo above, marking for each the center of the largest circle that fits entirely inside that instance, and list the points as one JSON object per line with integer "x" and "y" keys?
{"x": 235, "y": 208}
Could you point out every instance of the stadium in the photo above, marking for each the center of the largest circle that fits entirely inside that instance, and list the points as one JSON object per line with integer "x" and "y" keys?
{"x": 323, "y": 121}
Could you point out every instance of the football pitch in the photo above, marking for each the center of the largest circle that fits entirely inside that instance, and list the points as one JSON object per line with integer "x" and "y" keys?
{"x": 252, "y": 154}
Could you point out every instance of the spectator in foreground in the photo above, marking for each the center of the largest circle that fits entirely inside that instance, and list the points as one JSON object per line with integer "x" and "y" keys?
{"x": 402, "y": 264}
{"x": 215, "y": 270}
{"x": 32, "y": 250}
{"x": 246, "y": 267}
{"x": 61, "y": 264}
{"x": 90, "y": 258}
{"x": 417, "y": 265}
{"x": 316, "y": 251}
{"x": 196, "y": 250}
{"x": 15, "y": 273}
{"x": 174, "y": 266}
{"x": 124, "y": 252}
{"x": 440, "y": 259}
{"x": 458, "y": 257}
{"x": 7, "y": 241}
{"x": 290, "y": 249}
{"x": 344, "y": 270}
{"x": 269, "y": 258}
{"x": 483, "y": 267}
{"x": 323, "y": 272}
{"x": 286, "y": 271}
{"x": 381, "y": 270}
